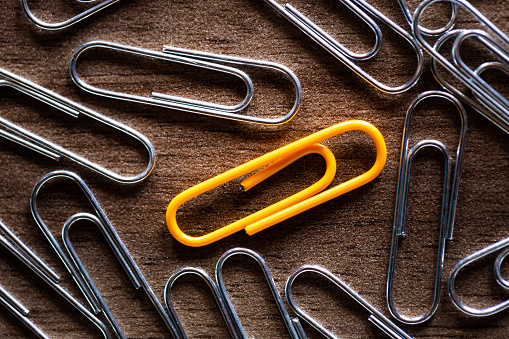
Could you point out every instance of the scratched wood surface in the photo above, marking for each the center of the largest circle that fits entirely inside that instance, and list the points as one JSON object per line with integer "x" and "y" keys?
{"x": 350, "y": 235}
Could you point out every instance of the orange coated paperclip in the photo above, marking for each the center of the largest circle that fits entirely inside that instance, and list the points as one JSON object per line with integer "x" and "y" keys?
{"x": 277, "y": 160}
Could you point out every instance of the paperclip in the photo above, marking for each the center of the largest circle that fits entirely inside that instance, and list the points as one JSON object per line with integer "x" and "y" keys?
{"x": 375, "y": 317}
{"x": 491, "y": 310}
{"x": 75, "y": 267}
{"x": 36, "y": 143}
{"x": 449, "y": 198}
{"x": 221, "y": 295}
{"x": 69, "y": 22}
{"x": 14, "y": 245}
{"x": 489, "y": 103}
{"x": 196, "y": 59}
{"x": 278, "y": 159}
{"x": 363, "y": 10}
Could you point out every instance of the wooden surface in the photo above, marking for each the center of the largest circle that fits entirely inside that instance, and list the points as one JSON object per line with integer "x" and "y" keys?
{"x": 350, "y": 235}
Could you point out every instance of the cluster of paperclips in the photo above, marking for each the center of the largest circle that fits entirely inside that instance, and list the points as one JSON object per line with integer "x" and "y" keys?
{"x": 485, "y": 99}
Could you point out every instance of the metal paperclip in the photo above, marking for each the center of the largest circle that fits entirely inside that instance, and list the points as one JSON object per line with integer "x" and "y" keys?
{"x": 34, "y": 142}
{"x": 221, "y": 295}
{"x": 278, "y": 159}
{"x": 449, "y": 198}
{"x": 75, "y": 267}
{"x": 363, "y": 10}
{"x": 196, "y": 59}
{"x": 491, "y": 310}
{"x": 489, "y": 102}
{"x": 375, "y": 317}
{"x": 69, "y": 22}
{"x": 14, "y": 245}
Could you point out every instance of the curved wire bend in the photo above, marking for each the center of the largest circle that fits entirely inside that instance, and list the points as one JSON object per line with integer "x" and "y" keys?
{"x": 498, "y": 269}
{"x": 34, "y": 142}
{"x": 66, "y": 23}
{"x": 448, "y": 26}
{"x": 217, "y": 296}
{"x": 14, "y": 245}
{"x": 491, "y": 310}
{"x": 488, "y": 101}
{"x": 221, "y": 296}
{"x": 293, "y": 205}
{"x": 74, "y": 267}
{"x": 363, "y": 10}
{"x": 375, "y": 317}
{"x": 197, "y": 59}
{"x": 449, "y": 199}
{"x": 293, "y": 325}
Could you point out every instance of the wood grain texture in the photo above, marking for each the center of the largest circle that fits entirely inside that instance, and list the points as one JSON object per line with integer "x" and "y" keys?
{"x": 350, "y": 235}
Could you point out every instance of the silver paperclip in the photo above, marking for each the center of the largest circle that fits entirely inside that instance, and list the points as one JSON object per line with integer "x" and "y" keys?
{"x": 75, "y": 267}
{"x": 449, "y": 198}
{"x": 363, "y": 10}
{"x": 69, "y": 22}
{"x": 14, "y": 245}
{"x": 197, "y": 59}
{"x": 34, "y": 142}
{"x": 491, "y": 310}
{"x": 375, "y": 317}
{"x": 487, "y": 101}
{"x": 221, "y": 295}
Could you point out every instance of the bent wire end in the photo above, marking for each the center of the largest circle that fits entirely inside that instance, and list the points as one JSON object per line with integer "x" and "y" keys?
{"x": 32, "y": 141}
{"x": 479, "y": 312}
{"x": 20, "y": 312}
{"x": 293, "y": 205}
{"x": 376, "y": 317}
{"x": 66, "y": 23}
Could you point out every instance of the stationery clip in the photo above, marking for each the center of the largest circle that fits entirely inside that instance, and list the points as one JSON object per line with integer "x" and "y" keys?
{"x": 449, "y": 198}
{"x": 197, "y": 59}
{"x": 278, "y": 159}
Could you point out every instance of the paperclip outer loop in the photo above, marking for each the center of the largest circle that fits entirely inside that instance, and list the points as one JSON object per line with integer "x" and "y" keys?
{"x": 288, "y": 207}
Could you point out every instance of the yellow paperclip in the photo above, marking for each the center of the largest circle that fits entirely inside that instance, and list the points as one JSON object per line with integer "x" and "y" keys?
{"x": 276, "y": 160}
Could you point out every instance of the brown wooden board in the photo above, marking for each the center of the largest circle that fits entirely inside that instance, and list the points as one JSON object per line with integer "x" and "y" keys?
{"x": 350, "y": 235}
